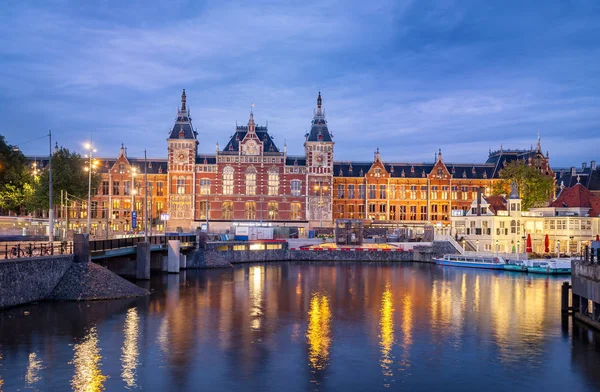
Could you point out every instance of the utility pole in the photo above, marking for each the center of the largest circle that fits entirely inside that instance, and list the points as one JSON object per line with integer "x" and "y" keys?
{"x": 51, "y": 208}
{"x": 145, "y": 198}
{"x": 66, "y": 214}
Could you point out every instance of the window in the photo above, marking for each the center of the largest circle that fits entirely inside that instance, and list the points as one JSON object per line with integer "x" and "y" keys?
{"x": 205, "y": 186}
{"x": 465, "y": 192}
{"x": 94, "y": 212}
{"x": 351, "y": 210}
{"x": 424, "y": 192}
{"x": 250, "y": 182}
{"x": 127, "y": 204}
{"x": 382, "y": 208}
{"x": 361, "y": 211}
{"x": 434, "y": 212}
{"x": 392, "y": 212}
{"x": 295, "y": 187}
{"x": 372, "y": 191}
{"x": 127, "y": 188}
{"x": 371, "y": 208}
{"x": 295, "y": 211}
{"x": 273, "y": 182}
{"x": 340, "y": 211}
{"x": 116, "y": 188}
{"x": 413, "y": 192}
{"x": 351, "y": 191}
{"x": 382, "y": 192}
{"x": 413, "y": 212}
{"x": 361, "y": 191}
{"x": 273, "y": 209}
{"x": 116, "y": 204}
{"x": 402, "y": 213}
{"x": 250, "y": 210}
{"x": 180, "y": 186}
{"x": 160, "y": 190}
{"x": 228, "y": 180}
{"x": 159, "y": 207}
{"x": 434, "y": 192}
{"x": 423, "y": 213}
{"x": 121, "y": 168}
{"x": 340, "y": 191}
{"x": 105, "y": 187}
{"x": 402, "y": 192}
{"x": 445, "y": 192}
{"x": 227, "y": 210}
{"x": 454, "y": 193}
{"x": 392, "y": 194}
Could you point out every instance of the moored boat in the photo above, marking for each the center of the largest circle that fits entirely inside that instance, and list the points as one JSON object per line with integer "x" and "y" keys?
{"x": 549, "y": 266}
{"x": 472, "y": 261}
{"x": 515, "y": 265}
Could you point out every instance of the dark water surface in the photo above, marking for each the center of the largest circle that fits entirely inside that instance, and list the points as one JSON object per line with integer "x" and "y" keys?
{"x": 307, "y": 326}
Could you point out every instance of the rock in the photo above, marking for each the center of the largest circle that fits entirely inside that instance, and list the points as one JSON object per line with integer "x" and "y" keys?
{"x": 89, "y": 281}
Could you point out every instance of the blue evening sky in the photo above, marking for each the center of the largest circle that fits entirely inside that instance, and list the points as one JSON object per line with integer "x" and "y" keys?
{"x": 408, "y": 77}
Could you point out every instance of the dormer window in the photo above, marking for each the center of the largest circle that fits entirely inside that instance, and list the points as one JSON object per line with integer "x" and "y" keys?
{"x": 473, "y": 170}
{"x": 439, "y": 173}
{"x": 377, "y": 172}
{"x": 320, "y": 136}
{"x": 403, "y": 174}
{"x": 464, "y": 174}
{"x": 412, "y": 169}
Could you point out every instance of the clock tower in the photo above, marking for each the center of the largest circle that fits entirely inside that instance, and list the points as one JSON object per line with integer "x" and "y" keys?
{"x": 318, "y": 149}
{"x": 182, "y": 147}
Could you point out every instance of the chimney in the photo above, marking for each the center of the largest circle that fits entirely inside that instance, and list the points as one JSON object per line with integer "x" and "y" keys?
{"x": 479, "y": 190}
{"x": 593, "y": 165}
{"x": 573, "y": 172}
{"x": 584, "y": 165}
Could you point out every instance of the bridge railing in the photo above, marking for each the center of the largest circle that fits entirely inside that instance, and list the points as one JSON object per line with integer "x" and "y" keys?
{"x": 18, "y": 250}
{"x": 116, "y": 243}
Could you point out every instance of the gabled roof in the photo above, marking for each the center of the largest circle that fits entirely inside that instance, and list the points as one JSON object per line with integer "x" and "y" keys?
{"x": 319, "y": 132}
{"x": 496, "y": 203}
{"x": 183, "y": 128}
{"x": 587, "y": 177}
{"x": 240, "y": 133}
{"x": 579, "y": 197}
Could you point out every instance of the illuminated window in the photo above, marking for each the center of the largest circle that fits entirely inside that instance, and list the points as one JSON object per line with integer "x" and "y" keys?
{"x": 295, "y": 211}
{"x": 180, "y": 186}
{"x": 105, "y": 187}
{"x": 205, "y": 186}
{"x": 372, "y": 191}
{"x": 351, "y": 191}
{"x": 227, "y": 210}
{"x": 423, "y": 213}
{"x": 127, "y": 188}
{"x": 250, "y": 210}
{"x": 115, "y": 188}
{"x": 251, "y": 181}
{"x": 273, "y": 210}
{"x": 116, "y": 204}
{"x": 361, "y": 191}
{"x": 340, "y": 191}
{"x": 273, "y": 182}
{"x": 434, "y": 192}
{"x": 228, "y": 180}
{"x": 203, "y": 207}
{"x": 160, "y": 189}
{"x": 382, "y": 192}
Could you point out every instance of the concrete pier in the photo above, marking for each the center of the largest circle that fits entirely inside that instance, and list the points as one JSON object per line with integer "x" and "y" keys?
{"x": 173, "y": 256}
{"x": 182, "y": 261}
{"x": 142, "y": 270}
{"x": 81, "y": 248}
{"x": 585, "y": 283}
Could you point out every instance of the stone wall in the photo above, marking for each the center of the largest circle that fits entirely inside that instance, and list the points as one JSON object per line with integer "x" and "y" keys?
{"x": 31, "y": 279}
{"x": 219, "y": 254}
{"x": 586, "y": 270}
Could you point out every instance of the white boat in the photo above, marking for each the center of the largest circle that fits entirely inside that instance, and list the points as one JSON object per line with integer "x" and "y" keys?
{"x": 473, "y": 261}
{"x": 549, "y": 266}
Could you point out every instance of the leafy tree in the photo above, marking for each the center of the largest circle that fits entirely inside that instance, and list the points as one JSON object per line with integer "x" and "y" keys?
{"x": 14, "y": 178}
{"x": 535, "y": 189}
{"x": 68, "y": 175}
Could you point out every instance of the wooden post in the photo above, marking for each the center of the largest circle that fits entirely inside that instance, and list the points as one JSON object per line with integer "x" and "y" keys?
{"x": 587, "y": 253}
{"x": 565, "y": 297}
{"x": 574, "y": 302}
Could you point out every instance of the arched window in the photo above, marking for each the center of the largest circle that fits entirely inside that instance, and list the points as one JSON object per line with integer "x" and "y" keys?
{"x": 227, "y": 210}
{"x": 250, "y": 211}
{"x": 295, "y": 187}
{"x": 273, "y": 182}
{"x": 228, "y": 180}
{"x": 513, "y": 226}
{"x": 251, "y": 181}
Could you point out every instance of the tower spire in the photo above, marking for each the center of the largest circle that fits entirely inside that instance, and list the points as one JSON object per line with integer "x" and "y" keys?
{"x": 539, "y": 142}
{"x": 251, "y": 124}
{"x": 183, "y": 101}
{"x": 319, "y": 105}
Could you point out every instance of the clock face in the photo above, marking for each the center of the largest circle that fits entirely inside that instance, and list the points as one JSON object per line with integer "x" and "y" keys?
{"x": 181, "y": 156}
{"x": 251, "y": 148}
{"x": 318, "y": 159}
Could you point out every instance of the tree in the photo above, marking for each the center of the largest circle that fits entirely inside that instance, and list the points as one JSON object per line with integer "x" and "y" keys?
{"x": 68, "y": 175}
{"x": 535, "y": 189}
{"x": 15, "y": 178}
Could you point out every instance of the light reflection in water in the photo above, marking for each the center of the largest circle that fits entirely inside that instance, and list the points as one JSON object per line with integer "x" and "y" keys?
{"x": 163, "y": 335}
{"x": 130, "y": 352}
{"x": 319, "y": 331}
{"x": 477, "y": 294}
{"x": 386, "y": 325}
{"x": 256, "y": 288}
{"x": 1, "y": 381}
{"x": 34, "y": 366}
{"x": 88, "y": 376}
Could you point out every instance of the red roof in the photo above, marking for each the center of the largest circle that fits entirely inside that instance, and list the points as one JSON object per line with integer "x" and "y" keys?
{"x": 497, "y": 203}
{"x": 578, "y": 196}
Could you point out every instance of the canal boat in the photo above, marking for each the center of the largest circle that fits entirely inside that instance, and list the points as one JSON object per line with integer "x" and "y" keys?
{"x": 549, "y": 266}
{"x": 486, "y": 262}
{"x": 516, "y": 265}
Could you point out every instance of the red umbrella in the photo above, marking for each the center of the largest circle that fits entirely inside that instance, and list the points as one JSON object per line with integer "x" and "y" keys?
{"x": 547, "y": 244}
{"x": 529, "y": 250}
{"x": 597, "y": 237}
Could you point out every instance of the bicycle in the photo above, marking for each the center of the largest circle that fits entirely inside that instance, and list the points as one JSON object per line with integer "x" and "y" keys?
{"x": 16, "y": 252}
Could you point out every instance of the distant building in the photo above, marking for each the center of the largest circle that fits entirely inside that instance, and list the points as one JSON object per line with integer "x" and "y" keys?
{"x": 588, "y": 176}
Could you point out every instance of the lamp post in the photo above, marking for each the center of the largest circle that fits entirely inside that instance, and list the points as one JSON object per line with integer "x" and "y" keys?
{"x": 50, "y": 206}
{"x": 558, "y": 246}
{"x": 518, "y": 248}
{"x": 477, "y": 243}
{"x": 132, "y": 190}
{"x": 91, "y": 164}
{"x": 497, "y": 250}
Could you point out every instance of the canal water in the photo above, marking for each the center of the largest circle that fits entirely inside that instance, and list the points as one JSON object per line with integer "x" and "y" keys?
{"x": 304, "y": 327}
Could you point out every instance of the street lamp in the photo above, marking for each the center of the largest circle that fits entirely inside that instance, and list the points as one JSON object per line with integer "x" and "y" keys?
{"x": 91, "y": 165}
{"x": 477, "y": 243}
{"x": 132, "y": 190}
{"x": 558, "y": 245}
{"x": 497, "y": 247}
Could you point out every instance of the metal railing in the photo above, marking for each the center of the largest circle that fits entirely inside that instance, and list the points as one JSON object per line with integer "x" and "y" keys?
{"x": 117, "y": 243}
{"x": 451, "y": 240}
{"x": 23, "y": 250}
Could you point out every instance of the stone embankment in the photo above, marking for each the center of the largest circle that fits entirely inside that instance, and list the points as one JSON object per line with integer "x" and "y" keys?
{"x": 65, "y": 277}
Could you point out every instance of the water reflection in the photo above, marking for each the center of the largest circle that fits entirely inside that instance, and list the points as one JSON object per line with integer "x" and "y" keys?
{"x": 130, "y": 352}
{"x": 34, "y": 366}
{"x": 256, "y": 296}
{"x": 319, "y": 331}
{"x": 1, "y": 381}
{"x": 88, "y": 376}
{"x": 386, "y": 334}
